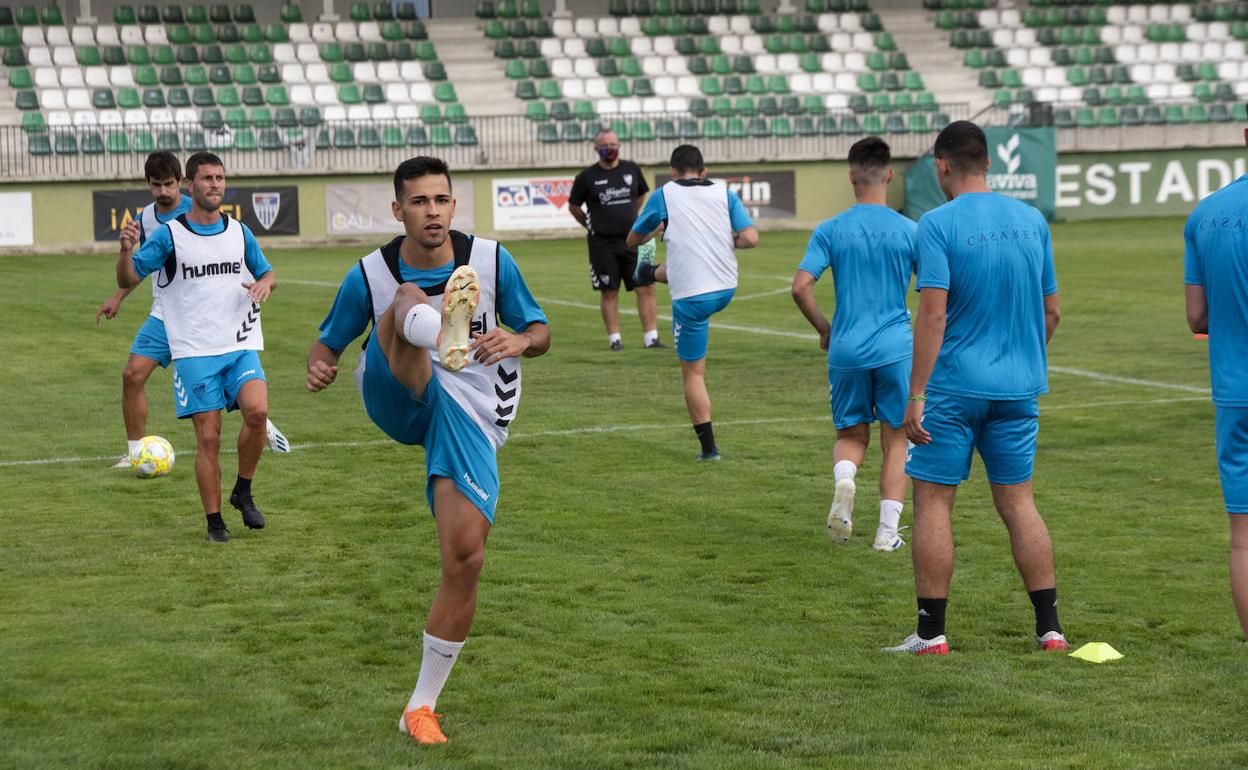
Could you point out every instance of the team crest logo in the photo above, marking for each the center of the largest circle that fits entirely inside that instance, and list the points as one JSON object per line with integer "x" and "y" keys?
{"x": 628, "y": 179}
{"x": 266, "y": 206}
{"x": 200, "y": 390}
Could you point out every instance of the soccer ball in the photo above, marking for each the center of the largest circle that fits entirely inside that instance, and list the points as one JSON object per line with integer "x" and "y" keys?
{"x": 152, "y": 458}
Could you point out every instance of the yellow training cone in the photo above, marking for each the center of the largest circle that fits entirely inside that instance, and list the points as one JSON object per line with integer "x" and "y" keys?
{"x": 1096, "y": 652}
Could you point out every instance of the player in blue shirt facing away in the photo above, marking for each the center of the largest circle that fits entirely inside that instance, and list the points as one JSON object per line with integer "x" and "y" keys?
{"x": 987, "y": 307}
{"x": 1215, "y": 271}
{"x": 438, "y": 370}
{"x": 702, "y": 222}
{"x": 870, "y": 250}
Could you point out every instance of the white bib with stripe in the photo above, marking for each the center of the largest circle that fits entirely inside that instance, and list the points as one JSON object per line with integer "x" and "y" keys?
{"x": 490, "y": 395}
{"x": 207, "y": 311}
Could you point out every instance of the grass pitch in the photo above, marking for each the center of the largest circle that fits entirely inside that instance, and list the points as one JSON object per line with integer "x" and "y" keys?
{"x": 637, "y": 609}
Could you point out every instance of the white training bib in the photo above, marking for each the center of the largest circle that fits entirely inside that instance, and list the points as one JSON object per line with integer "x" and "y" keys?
{"x": 149, "y": 224}
{"x": 207, "y": 311}
{"x": 700, "y": 255}
{"x": 490, "y": 395}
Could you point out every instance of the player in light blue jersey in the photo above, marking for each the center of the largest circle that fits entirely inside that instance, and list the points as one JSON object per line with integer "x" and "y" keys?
{"x": 424, "y": 382}
{"x": 213, "y": 278}
{"x": 1215, "y": 271}
{"x": 870, "y": 250}
{"x": 702, "y": 222}
{"x": 987, "y": 307}
{"x": 150, "y": 347}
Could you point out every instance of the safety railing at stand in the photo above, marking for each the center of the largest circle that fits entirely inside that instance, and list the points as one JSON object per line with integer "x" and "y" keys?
{"x": 499, "y": 142}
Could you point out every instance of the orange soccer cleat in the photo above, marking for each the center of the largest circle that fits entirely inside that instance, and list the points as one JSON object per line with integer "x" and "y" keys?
{"x": 422, "y": 724}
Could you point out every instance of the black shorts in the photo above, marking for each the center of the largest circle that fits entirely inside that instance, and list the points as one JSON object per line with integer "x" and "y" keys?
{"x": 611, "y": 260}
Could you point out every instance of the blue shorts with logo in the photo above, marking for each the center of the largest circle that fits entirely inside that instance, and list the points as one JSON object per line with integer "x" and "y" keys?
{"x": 151, "y": 341}
{"x": 454, "y": 445}
{"x": 1231, "y": 434}
{"x": 210, "y": 383}
{"x": 691, "y": 318}
{"x": 867, "y": 395}
{"x": 1003, "y": 432}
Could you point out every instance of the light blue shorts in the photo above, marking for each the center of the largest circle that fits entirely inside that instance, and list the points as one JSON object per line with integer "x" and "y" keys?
{"x": 209, "y": 383}
{"x": 1231, "y": 432}
{"x": 454, "y": 446}
{"x": 1003, "y": 432}
{"x": 868, "y": 395}
{"x": 691, "y": 318}
{"x": 151, "y": 341}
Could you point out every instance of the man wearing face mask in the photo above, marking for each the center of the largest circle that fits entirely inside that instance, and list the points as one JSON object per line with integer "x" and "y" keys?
{"x": 612, "y": 191}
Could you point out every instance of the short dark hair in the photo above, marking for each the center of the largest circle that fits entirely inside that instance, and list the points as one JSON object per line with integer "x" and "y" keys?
{"x": 415, "y": 168}
{"x": 162, "y": 165}
{"x": 869, "y": 159}
{"x": 963, "y": 145}
{"x": 201, "y": 159}
{"x": 687, "y": 158}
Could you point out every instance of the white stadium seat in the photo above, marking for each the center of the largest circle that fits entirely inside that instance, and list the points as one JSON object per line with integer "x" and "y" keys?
{"x": 383, "y": 112}
{"x": 788, "y": 63}
{"x": 1133, "y": 33}
{"x": 752, "y": 44}
{"x": 562, "y": 28}
{"x": 334, "y": 113}
{"x": 1157, "y": 91}
{"x": 39, "y": 57}
{"x": 1046, "y": 94}
{"x": 827, "y": 23}
{"x": 630, "y": 27}
{"x": 1116, "y": 15}
{"x": 855, "y": 61}
{"x": 406, "y": 112}
{"x": 284, "y": 53}
{"x": 299, "y": 33}
{"x": 301, "y": 95}
{"x": 422, "y": 93}
{"x": 344, "y": 32}
{"x": 359, "y": 113}
{"x": 1003, "y": 38}
{"x": 58, "y": 36}
{"x": 765, "y": 64}
{"x": 1228, "y": 70}
{"x": 63, "y": 56}
{"x": 562, "y": 68}
{"x": 1233, "y": 50}
{"x": 574, "y": 48}
{"x": 1111, "y": 35}
{"x": 801, "y": 83}
{"x": 585, "y": 68}
{"x": 664, "y": 86}
{"x": 1055, "y": 76}
{"x": 1180, "y": 14}
{"x": 1137, "y": 14}
{"x": 823, "y": 82}
{"x": 990, "y": 18}
{"x": 364, "y": 72}
{"x": 572, "y": 88}
{"x": 370, "y": 32}
{"x": 664, "y": 45}
{"x": 325, "y": 94}
{"x": 1191, "y": 52}
{"x": 293, "y": 73}
{"x": 676, "y": 65}
{"x": 1163, "y": 72}
{"x": 676, "y": 104}
{"x": 1181, "y": 91}
{"x": 550, "y": 48}
{"x": 641, "y": 46}
{"x": 687, "y": 85}
{"x": 135, "y": 117}
{"x": 1069, "y": 94}
{"x": 45, "y": 77}
{"x": 864, "y": 41}
{"x": 836, "y": 101}
{"x": 388, "y": 72}
{"x": 832, "y": 62}
{"x": 850, "y": 22}
{"x": 131, "y": 35}
{"x": 651, "y": 105}
{"x": 730, "y": 45}
{"x": 155, "y": 35}
{"x": 847, "y": 83}
{"x": 585, "y": 27}
{"x": 322, "y": 32}
{"x": 78, "y": 99}
{"x": 1032, "y": 77}
{"x": 316, "y": 73}
{"x": 1017, "y": 57}
{"x": 60, "y": 118}
{"x": 398, "y": 93}
{"x": 739, "y": 25}
{"x": 1010, "y": 17}
{"x": 842, "y": 41}
{"x": 161, "y": 117}
{"x": 630, "y": 106}
{"x": 718, "y": 26}
{"x": 107, "y": 35}
{"x": 1198, "y": 32}
{"x": 596, "y": 88}
{"x": 307, "y": 53}
{"x": 82, "y": 35}
{"x": 52, "y": 99}
{"x": 120, "y": 76}
{"x": 96, "y": 77}
{"x": 1218, "y": 30}
{"x": 110, "y": 118}
{"x": 1168, "y": 52}
{"x": 653, "y": 66}
{"x": 607, "y": 106}
{"x": 1025, "y": 37}
{"x": 608, "y": 26}
{"x": 32, "y": 36}
{"x": 1126, "y": 54}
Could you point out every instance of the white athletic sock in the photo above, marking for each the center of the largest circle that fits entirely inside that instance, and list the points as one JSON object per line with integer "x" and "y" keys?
{"x": 650, "y": 336}
{"x": 890, "y": 514}
{"x": 614, "y": 337}
{"x": 133, "y": 447}
{"x": 845, "y": 469}
{"x": 435, "y": 666}
{"x": 422, "y": 326}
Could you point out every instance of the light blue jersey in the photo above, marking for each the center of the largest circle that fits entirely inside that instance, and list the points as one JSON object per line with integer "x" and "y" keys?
{"x": 184, "y": 205}
{"x": 994, "y": 256}
{"x": 157, "y": 249}
{"x": 870, "y": 250}
{"x": 1216, "y": 258}
{"x": 351, "y": 312}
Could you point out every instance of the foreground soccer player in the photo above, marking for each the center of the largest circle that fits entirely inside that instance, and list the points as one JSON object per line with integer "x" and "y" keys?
{"x": 425, "y": 382}
{"x": 1215, "y": 271}
{"x": 870, "y": 249}
{"x": 987, "y": 308}
{"x": 151, "y": 345}
{"x": 701, "y": 221}
{"x": 214, "y": 277}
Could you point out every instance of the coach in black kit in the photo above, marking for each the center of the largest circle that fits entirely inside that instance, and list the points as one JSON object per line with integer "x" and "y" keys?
{"x": 612, "y": 192}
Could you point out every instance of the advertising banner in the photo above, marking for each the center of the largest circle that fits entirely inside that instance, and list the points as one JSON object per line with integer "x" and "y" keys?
{"x": 532, "y": 203}
{"x": 1143, "y": 184}
{"x": 352, "y": 210}
{"x": 266, "y": 210}
{"x": 1024, "y": 166}
{"x": 766, "y": 194}
{"x": 17, "y": 219}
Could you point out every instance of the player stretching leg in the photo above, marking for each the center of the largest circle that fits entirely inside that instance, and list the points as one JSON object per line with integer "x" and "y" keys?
{"x": 701, "y": 221}
{"x": 870, "y": 249}
{"x": 987, "y": 308}
{"x": 213, "y": 277}
{"x": 1216, "y": 276}
{"x": 438, "y": 371}
{"x": 151, "y": 345}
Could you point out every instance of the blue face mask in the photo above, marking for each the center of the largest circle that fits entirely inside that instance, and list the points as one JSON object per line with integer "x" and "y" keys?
{"x": 608, "y": 154}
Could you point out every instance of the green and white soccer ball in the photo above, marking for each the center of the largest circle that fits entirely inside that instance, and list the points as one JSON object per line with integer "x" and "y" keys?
{"x": 152, "y": 458}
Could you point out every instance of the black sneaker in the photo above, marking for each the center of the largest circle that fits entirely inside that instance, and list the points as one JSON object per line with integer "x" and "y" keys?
{"x": 218, "y": 535}
{"x": 655, "y": 344}
{"x": 617, "y": 346}
{"x": 252, "y": 516}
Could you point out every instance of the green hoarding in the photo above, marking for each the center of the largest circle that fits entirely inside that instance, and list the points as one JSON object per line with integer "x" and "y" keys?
{"x": 1144, "y": 183}
{"x": 1024, "y": 165}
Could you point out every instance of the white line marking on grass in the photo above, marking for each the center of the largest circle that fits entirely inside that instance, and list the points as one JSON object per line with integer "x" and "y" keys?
{"x": 761, "y": 294}
{"x": 598, "y": 429}
{"x": 304, "y": 282}
{"x": 1128, "y": 380}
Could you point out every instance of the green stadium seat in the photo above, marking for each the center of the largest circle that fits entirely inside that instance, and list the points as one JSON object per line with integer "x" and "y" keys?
{"x": 310, "y": 116}
{"x": 284, "y": 117}
{"x": 392, "y": 136}
{"x": 38, "y": 144}
{"x": 768, "y": 105}
{"x": 547, "y": 133}
{"x": 402, "y": 52}
{"x": 744, "y": 106}
{"x": 349, "y": 94}
{"x": 1218, "y": 113}
{"x": 369, "y": 138}
{"x": 341, "y": 73}
{"x": 548, "y": 89}
{"x": 536, "y": 111}
{"x": 251, "y": 33}
{"x": 271, "y": 140}
{"x": 203, "y": 97}
{"x": 430, "y": 114}
{"x": 354, "y": 52}
{"x": 153, "y": 98}
{"x": 29, "y": 100}
{"x": 642, "y": 131}
{"x": 343, "y": 138}
{"x": 515, "y": 70}
{"x": 425, "y": 51}
{"x": 1196, "y": 113}
{"x": 441, "y": 136}
{"x": 1175, "y": 115}
{"x": 171, "y": 76}
{"x": 122, "y": 14}
{"x": 13, "y": 57}
{"x": 260, "y": 117}
{"x": 32, "y": 123}
{"x": 570, "y": 131}
{"x": 92, "y": 144}
{"x": 373, "y": 94}
{"x": 260, "y": 54}
{"x": 65, "y": 143}
{"x": 382, "y": 11}
{"x": 417, "y": 136}
{"x": 236, "y": 118}
{"x": 526, "y": 90}
{"x": 20, "y": 78}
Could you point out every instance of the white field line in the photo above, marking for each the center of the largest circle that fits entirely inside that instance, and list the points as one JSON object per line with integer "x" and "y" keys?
{"x": 1098, "y": 376}
{"x": 761, "y": 294}
{"x": 603, "y": 429}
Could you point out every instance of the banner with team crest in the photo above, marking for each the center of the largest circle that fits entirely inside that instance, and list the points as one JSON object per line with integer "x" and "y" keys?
{"x": 533, "y": 203}
{"x": 266, "y": 210}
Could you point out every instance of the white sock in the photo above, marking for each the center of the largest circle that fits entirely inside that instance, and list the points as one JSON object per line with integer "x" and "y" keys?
{"x": 890, "y": 514}
{"x": 133, "y": 447}
{"x": 650, "y": 336}
{"x": 613, "y": 337}
{"x": 845, "y": 469}
{"x": 435, "y": 666}
{"x": 422, "y": 326}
